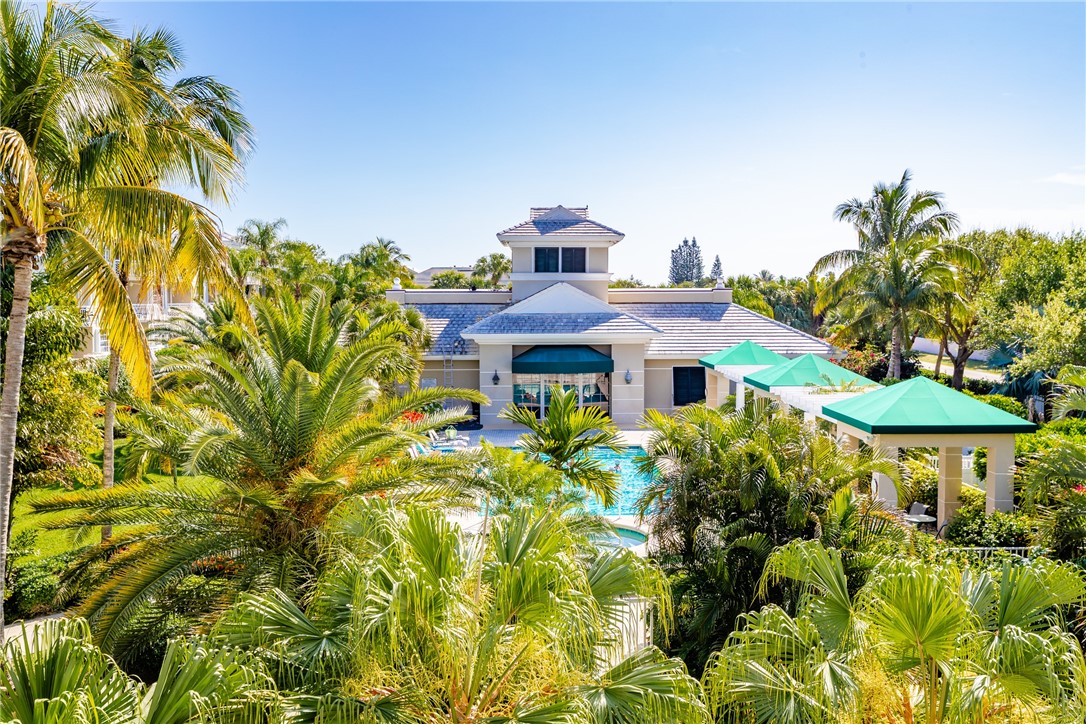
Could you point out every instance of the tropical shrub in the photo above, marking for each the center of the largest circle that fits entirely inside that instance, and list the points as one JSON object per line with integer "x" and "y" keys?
{"x": 728, "y": 487}
{"x": 419, "y": 622}
{"x": 938, "y": 642}
{"x": 300, "y": 418}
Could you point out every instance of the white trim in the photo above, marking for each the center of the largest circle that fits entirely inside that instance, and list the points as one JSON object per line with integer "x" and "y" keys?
{"x": 560, "y": 277}
{"x": 577, "y": 338}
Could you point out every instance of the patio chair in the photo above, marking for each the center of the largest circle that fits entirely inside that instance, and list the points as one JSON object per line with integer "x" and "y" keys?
{"x": 918, "y": 515}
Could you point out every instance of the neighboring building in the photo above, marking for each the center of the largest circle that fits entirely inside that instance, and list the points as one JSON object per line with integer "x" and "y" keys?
{"x": 624, "y": 350}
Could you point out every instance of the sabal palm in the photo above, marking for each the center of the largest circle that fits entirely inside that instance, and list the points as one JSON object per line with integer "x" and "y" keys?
{"x": 565, "y": 438}
{"x": 77, "y": 163}
{"x": 53, "y": 673}
{"x": 280, "y": 431}
{"x": 977, "y": 646}
{"x": 901, "y": 265}
{"x": 521, "y": 623}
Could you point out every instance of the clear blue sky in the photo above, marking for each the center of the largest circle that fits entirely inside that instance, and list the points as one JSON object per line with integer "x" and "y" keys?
{"x": 438, "y": 125}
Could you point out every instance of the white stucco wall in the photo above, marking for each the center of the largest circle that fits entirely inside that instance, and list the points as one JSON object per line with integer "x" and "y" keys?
{"x": 628, "y": 400}
{"x": 495, "y": 358}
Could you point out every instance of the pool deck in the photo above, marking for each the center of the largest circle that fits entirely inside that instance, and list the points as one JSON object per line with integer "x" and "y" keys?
{"x": 509, "y": 438}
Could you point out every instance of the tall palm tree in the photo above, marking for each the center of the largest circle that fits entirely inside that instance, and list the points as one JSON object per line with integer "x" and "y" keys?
{"x": 76, "y": 159}
{"x": 493, "y": 267}
{"x": 901, "y": 266}
{"x": 280, "y": 430}
{"x": 565, "y": 438}
{"x": 525, "y": 622}
{"x": 191, "y": 123}
{"x": 263, "y": 237}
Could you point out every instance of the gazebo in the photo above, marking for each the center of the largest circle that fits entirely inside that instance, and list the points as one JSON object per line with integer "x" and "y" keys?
{"x": 807, "y": 382}
{"x": 733, "y": 364}
{"x": 923, "y": 413}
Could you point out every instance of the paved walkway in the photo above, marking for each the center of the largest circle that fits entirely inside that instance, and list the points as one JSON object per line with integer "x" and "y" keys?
{"x": 15, "y": 630}
{"x": 969, "y": 372}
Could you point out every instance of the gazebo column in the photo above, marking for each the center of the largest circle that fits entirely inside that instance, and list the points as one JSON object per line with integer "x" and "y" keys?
{"x": 950, "y": 483}
{"x": 884, "y": 486}
{"x": 1000, "y": 482}
{"x": 722, "y": 385}
{"x": 740, "y": 395}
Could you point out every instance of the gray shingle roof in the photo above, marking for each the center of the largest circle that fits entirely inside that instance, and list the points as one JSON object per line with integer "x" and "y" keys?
{"x": 693, "y": 330}
{"x": 447, "y": 321}
{"x": 688, "y": 330}
{"x": 558, "y": 222}
{"x": 564, "y": 323}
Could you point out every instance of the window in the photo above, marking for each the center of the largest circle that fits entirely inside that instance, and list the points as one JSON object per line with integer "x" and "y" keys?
{"x": 546, "y": 259}
{"x": 573, "y": 260}
{"x": 688, "y": 385}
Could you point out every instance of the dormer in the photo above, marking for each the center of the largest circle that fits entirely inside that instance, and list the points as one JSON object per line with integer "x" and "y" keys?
{"x": 560, "y": 244}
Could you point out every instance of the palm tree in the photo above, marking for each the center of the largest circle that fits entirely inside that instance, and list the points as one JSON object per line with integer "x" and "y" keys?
{"x": 493, "y": 267}
{"x": 78, "y": 163}
{"x": 901, "y": 266}
{"x": 55, "y": 674}
{"x": 975, "y": 645}
{"x": 299, "y": 417}
{"x": 728, "y": 487}
{"x": 565, "y": 438}
{"x": 264, "y": 238}
{"x": 525, "y": 622}
{"x": 193, "y": 122}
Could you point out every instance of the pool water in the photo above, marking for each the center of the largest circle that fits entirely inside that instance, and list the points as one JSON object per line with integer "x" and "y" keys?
{"x": 630, "y": 487}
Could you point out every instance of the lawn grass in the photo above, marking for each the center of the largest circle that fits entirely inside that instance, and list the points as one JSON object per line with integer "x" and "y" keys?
{"x": 52, "y": 542}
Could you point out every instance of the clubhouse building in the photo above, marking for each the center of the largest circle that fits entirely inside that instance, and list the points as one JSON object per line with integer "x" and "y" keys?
{"x": 623, "y": 350}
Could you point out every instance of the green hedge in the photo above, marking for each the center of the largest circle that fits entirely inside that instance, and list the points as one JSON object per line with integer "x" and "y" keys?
{"x": 971, "y": 527}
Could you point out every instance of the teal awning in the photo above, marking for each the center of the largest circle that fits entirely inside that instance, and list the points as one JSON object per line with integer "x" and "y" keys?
{"x": 808, "y": 370}
{"x": 921, "y": 405}
{"x": 568, "y": 359}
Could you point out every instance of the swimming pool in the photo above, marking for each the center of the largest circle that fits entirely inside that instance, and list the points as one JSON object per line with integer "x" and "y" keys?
{"x": 630, "y": 487}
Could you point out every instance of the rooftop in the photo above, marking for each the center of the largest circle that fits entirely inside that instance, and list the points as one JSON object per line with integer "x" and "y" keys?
{"x": 558, "y": 222}
{"x": 803, "y": 371}
{"x": 920, "y": 405}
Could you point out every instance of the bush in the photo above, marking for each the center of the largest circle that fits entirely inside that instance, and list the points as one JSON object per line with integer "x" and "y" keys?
{"x": 1030, "y": 444}
{"x": 1002, "y": 402}
{"x": 922, "y": 484}
{"x": 969, "y": 384}
{"x": 32, "y": 581}
{"x": 874, "y": 364}
{"x": 972, "y": 528}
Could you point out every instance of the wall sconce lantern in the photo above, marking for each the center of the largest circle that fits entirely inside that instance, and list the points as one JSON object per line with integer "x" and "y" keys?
{"x": 628, "y": 377}
{"x": 495, "y": 379}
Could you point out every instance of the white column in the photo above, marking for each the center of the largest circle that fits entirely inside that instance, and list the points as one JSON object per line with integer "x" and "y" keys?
{"x": 809, "y": 418}
{"x": 1000, "y": 482}
{"x": 848, "y": 442}
{"x": 882, "y": 486}
{"x": 950, "y": 483}
{"x": 722, "y": 385}
{"x": 740, "y": 395}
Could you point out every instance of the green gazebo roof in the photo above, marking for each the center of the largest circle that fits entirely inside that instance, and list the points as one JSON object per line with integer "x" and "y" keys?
{"x": 802, "y": 371}
{"x": 743, "y": 354}
{"x": 921, "y": 405}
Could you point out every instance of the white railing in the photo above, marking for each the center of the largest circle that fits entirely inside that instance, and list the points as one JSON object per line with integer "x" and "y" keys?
{"x": 190, "y": 307}
{"x": 986, "y": 552}
{"x": 149, "y": 312}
